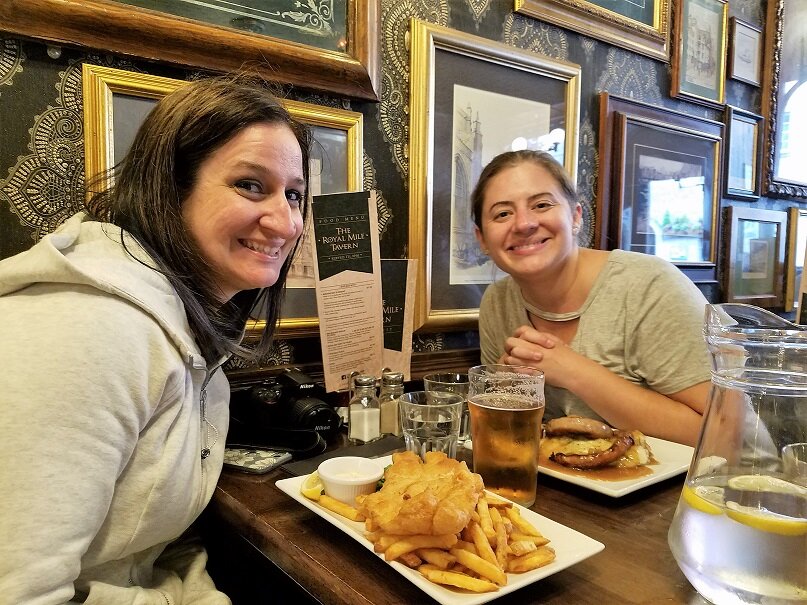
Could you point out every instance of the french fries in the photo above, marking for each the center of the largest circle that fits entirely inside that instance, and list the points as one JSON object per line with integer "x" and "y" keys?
{"x": 475, "y": 562}
{"x": 340, "y": 508}
{"x": 460, "y": 580}
{"x": 410, "y": 543}
{"x": 497, "y": 541}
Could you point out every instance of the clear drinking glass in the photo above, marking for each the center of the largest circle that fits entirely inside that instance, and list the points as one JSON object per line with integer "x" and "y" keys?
{"x": 430, "y": 421}
{"x": 740, "y": 529}
{"x": 451, "y": 382}
{"x": 507, "y": 406}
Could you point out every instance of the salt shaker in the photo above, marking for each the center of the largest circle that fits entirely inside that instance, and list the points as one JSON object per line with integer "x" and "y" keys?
{"x": 364, "y": 424}
{"x": 391, "y": 388}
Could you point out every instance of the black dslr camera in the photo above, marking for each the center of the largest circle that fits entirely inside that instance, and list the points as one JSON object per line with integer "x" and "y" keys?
{"x": 291, "y": 400}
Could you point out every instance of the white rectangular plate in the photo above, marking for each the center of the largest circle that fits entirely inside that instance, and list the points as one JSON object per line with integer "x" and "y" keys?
{"x": 673, "y": 459}
{"x": 570, "y": 547}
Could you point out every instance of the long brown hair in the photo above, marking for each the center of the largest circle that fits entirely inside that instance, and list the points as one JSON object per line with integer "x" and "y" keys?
{"x": 155, "y": 178}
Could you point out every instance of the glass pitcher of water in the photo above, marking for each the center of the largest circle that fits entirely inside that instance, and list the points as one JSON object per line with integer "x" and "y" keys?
{"x": 740, "y": 529}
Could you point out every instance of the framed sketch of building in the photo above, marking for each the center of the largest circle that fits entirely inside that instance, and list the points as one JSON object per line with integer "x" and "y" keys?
{"x": 471, "y": 99}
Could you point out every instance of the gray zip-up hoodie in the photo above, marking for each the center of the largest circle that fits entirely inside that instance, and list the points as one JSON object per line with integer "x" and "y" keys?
{"x": 102, "y": 427}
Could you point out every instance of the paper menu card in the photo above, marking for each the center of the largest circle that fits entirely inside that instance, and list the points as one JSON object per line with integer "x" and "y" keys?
{"x": 347, "y": 269}
{"x": 398, "y": 291}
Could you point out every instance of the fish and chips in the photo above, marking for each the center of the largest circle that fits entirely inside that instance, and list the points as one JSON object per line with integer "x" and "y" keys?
{"x": 435, "y": 516}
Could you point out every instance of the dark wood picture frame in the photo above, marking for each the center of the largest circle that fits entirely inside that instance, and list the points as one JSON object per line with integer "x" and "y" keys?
{"x": 784, "y": 41}
{"x": 742, "y": 170}
{"x": 754, "y": 256}
{"x": 649, "y": 36}
{"x": 119, "y": 28}
{"x": 699, "y": 53}
{"x": 745, "y": 56}
{"x": 615, "y": 176}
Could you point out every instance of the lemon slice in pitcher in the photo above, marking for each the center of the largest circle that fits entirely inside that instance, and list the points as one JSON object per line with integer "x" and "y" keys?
{"x": 766, "y": 521}
{"x": 705, "y": 498}
{"x": 312, "y": 486}
{"x": 766, "y": 483}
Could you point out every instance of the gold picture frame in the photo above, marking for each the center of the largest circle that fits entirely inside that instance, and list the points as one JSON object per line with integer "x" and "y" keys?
{"x": 647, "y": 34}
{"x": 127, "y": 30}
{"x": 103, "y": 87}
{"x": 699, "y": 52}
{"x": 461, "y": 81}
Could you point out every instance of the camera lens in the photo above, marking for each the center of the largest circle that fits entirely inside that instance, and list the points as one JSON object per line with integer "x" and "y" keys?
{"x": 313, "y": 413}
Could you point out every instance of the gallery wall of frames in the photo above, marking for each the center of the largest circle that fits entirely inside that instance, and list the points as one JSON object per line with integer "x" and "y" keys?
{"x": 680, "y": 121}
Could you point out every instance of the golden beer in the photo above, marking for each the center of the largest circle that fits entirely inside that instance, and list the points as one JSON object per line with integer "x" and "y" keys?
{"x": 506, "y": 431}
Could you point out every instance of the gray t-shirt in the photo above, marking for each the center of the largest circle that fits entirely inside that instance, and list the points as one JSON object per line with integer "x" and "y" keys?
{"x": 642, "y": 320}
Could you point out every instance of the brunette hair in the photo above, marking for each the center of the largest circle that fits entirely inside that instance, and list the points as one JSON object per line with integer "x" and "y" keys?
{"x": 510, "y": 159}
{"x": 154, "y": 180}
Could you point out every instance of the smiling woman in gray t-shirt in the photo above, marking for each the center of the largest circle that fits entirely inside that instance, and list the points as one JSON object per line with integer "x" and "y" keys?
{"x": 642, "y": 320}
{"x": 617, "y": 334}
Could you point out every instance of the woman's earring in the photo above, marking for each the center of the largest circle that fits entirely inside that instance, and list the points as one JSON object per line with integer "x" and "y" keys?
{"x": 576, "y": 229}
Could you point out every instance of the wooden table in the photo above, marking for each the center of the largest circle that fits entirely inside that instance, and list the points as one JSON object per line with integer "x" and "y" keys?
{"x": 635, "y": 567}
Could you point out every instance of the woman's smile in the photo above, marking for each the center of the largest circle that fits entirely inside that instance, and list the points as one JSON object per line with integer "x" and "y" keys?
{"x": 272, "y": 252}
{"x": 529, "y": 247}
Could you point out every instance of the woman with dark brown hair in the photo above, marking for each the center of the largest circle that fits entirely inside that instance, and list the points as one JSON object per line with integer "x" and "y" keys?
{"x": 114, "y": 406}
{"x": 617, "y": 334}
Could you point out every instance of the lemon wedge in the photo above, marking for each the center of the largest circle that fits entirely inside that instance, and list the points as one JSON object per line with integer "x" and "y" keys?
{"x": 705, "y": 498}
{"x": 766, "y": 521}
{"x": 312, "y": 486}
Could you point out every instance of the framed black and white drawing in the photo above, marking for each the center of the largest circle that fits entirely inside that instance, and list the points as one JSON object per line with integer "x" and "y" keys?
{"x": 471, "y": 99}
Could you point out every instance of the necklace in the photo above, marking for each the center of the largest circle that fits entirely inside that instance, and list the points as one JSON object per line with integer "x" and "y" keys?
{"x": 548, "y": 315}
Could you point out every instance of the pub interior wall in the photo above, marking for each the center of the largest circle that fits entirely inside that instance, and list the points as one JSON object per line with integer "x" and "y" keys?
{"x": 41, "y": 139}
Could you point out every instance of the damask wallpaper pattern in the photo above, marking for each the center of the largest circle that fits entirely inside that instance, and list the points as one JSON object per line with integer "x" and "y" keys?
{"x": 41, "y": 139}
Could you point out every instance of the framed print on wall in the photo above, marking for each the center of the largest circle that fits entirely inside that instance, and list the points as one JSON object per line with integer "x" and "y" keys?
{"x": 745, "y": 58}
{"x": 659, "y": 186}
{"x": 326, "y": 45}
{"x": 784, "y": 99}
{"x": 754, "y": 256}
{"x": 471, "y": 99}
{"x": 641, "y": 27}
{"x": 699, "y": 52}
{"x": 743, "y": 158}
{"x": 116, "y": 102}
{"x": 794, "y": 258}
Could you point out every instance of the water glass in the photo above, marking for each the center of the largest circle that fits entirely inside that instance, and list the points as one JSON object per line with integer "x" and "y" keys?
{"x": 507, "y": 406}
{"x": 430, "y": 421}
{"x": 451, "y": 382}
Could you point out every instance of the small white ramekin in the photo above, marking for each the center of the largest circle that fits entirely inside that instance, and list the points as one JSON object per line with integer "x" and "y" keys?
{"x": 346, "y": 477}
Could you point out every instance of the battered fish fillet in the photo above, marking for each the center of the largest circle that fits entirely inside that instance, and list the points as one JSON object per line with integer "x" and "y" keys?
{"x": 432, "y": 497}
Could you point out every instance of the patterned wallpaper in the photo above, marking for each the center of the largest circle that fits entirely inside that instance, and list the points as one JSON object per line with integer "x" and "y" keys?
{"x": 41, "y": 139}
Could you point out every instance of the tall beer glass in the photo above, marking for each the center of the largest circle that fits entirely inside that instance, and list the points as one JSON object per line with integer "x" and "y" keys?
{"x": 507, "y": 405}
